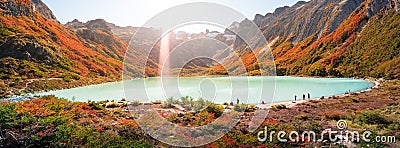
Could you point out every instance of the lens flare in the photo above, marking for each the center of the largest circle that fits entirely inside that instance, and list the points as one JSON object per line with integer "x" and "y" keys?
{"x": 163, "y": 58}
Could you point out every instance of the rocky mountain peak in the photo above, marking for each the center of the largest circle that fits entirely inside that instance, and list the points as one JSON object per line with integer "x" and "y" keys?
{"x": 234, "y": 27}
{"x": 375, "y": 6}
{"x": 280, "y": 10}
{"x": 98, "y": 24}
{"x": 42, "y": 8}
{"x": 16, "y": 9}
{"x": 75, "y": 24}
{"x": 75, "y": 21}
{"x": 299, "y": 3}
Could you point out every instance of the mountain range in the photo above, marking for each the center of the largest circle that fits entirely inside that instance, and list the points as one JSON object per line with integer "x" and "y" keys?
{"x": 340, "y": 38}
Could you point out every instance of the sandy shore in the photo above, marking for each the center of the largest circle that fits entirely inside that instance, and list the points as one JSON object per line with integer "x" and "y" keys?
{"x": 291, "y": 104}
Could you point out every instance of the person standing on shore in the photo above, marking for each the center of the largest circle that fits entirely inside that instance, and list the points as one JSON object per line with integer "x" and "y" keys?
{"x": 295, "y": 97}
{"x": 304, "y": 97}
{"x": 237, "y": 100}
{"x": 309, "y": 96}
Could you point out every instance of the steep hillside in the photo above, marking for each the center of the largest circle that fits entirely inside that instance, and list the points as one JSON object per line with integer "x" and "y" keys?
{"x": 339, "y": 38}
{"x": 306, "y": 18}
{"x": 35, "y": 46}
{"x": 375, "y": 52}
{"x": 124, "y": 33}
{"x": 101, "y": 32}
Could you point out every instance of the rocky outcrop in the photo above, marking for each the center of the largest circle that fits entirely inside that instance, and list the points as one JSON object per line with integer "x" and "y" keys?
{"x": 98, "y": 24}
{"x": 376, "y": 6}
{"x": 27, "y": 49}
{"x": 246, "y": 31}
{"x": 75, "y": 24}
{"x": 317, "y": 17}
{"x": 23, "y": 46}
{"x": 124, "y": 33}
{"x": 98, "y": 32}
{"x": 15, "y": 9}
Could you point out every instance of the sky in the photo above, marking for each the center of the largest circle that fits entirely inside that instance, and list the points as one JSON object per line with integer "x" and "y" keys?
{"x": 136, "y": 13}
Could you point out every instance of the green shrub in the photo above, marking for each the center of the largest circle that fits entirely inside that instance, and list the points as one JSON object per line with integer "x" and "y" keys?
{"x": 168, "y": 105}
{"x": 187, "y": 100}
{"x": 17, "y": 78}
{"x": 314, "y": 126}
{"x": 217, "y": 110}
{"x": 69, "y": 77}
{"x": 334, "y": 115}
{"x": 39, "y": 74}
{"x": 278, "y": 107}
{"x": 239, "y": 107}
{"x": 171, "y": 100}
{"x": 302, "y": 117}
{"x": 250, "y": 108}
{"x": 8, "y": 114}
{"x": 372, "y": 117}
{"x": 355, "y": 100}
{"x": 96, "y": 106}
{"x": 174, "y": 118}
{"x": 200, "y": 104}
{"x": 136, "y": 103}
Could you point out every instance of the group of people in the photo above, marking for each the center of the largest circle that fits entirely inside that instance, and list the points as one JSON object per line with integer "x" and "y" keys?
{"x": 295, "y": 99}
{"x": 237, "y": 102}
{"x": 304, "y": 97}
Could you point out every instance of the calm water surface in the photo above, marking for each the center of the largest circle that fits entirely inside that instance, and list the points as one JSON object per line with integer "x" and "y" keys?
{"x": 217, "y": 89}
